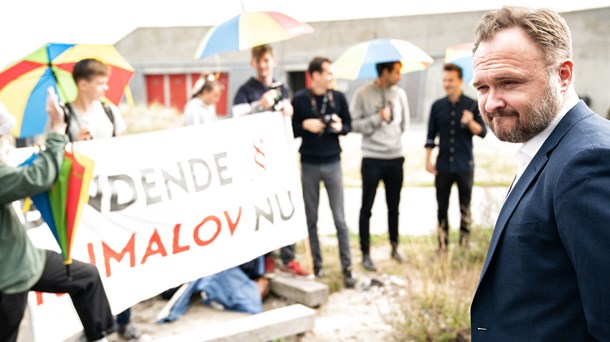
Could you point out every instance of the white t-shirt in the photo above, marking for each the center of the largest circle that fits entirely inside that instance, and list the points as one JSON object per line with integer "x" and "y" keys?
{"x": 196, "y": 112}
{"x": 97, "y": 122}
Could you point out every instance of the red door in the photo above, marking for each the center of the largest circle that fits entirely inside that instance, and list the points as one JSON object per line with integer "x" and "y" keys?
{"x": 221, "y": 106}
{"x": 178, "y": 91}
{"x": 155, "y": 90}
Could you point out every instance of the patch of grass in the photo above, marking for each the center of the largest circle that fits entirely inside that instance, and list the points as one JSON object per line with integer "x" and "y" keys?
{"x": 434, "y": 305}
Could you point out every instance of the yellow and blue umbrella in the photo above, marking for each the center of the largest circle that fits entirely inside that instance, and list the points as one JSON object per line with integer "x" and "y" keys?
{"x": 461, "y": 54}
{"x": 358, "y": 61}
{"x": 23, "y": 85}
{"x": 248, "y": 30}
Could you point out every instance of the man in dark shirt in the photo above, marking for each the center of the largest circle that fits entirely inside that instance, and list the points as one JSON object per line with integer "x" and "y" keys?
{"x": 259, "y": 94}
{"x": 262, "y": 92}
{"x": 320, "y": 116}
{"x": 454, "y": 119}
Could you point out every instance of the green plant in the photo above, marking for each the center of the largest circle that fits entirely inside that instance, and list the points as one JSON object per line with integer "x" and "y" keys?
{"x": 440, "y": 287}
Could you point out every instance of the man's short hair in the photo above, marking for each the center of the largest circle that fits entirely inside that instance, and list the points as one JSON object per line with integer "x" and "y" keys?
{"x": 546, "y": 28}
{"x": 454, "y": 67}
{"x": 261, "y": 50}
{"x": 389, "y": 66}
{"x": 316, "y": 64}
{"x": 88, "y": 68}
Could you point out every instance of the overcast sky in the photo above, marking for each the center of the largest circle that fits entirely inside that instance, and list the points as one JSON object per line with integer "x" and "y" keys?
{"x": 27, "y": 24}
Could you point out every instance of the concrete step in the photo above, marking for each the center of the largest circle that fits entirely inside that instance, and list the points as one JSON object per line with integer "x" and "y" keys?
{"x": 300, "y": 290}
{"x": 269, "y": 325}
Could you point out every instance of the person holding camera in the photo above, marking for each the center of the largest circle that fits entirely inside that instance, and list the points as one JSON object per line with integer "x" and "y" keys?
{"x": 261, "y": 93}
{"x": 320, "y": 116}
{"x": 380, "y": 111}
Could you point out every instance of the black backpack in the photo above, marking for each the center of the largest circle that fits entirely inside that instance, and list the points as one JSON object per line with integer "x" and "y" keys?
{"x": 69, "y": 114}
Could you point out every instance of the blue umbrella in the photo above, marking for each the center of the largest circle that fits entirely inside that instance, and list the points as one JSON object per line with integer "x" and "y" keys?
{"x": 461, "y": 55}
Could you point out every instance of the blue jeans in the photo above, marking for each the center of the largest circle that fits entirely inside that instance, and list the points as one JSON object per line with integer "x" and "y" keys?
{"x": 330, "y": 174}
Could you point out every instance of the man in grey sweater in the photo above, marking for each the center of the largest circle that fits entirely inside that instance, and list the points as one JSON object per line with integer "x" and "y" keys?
{"x": 380, "y": 111}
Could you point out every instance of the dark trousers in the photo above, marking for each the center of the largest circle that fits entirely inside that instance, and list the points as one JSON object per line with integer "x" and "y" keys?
{"x": 287, "y": 254}
{"x": 85, "y": 289}
{"x": 124, "y": 317}
{"x": 444, "y": 182}
{"x": 330, "y": 174}
{"x": 390, "y": 171}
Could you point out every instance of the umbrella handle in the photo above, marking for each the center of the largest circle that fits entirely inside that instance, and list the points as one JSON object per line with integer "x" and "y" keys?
{"x": 67, "y": 263}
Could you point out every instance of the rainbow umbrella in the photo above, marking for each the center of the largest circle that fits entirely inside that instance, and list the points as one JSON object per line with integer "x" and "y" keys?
{"x": 461, "y": 54}
{"x": 23, "y": 84}
{"x": 61, "y": 207}
{"x": 248, "y": 30}
{"x": 358, "y": 61}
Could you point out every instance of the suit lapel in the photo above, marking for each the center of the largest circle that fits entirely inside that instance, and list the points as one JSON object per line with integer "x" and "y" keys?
{"x": 577, "y": 113}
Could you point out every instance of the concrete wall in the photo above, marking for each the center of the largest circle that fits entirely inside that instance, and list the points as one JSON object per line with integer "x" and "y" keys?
{"x": 167, "y": 50}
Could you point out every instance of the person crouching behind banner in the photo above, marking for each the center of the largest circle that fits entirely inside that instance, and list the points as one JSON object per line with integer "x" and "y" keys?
{"x": 201, "y": 108}
{"x": 24, "y": 267}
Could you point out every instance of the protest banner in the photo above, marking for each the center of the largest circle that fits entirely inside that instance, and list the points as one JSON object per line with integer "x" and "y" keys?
{"x": 172, "y": 206}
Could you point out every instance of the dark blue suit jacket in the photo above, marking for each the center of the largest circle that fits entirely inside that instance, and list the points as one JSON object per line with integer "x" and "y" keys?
{"x": 547, "y": 272}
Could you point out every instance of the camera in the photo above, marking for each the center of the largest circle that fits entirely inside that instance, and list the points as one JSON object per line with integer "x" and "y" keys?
{"x": 329, "y": 119}
{"x": 277, "y": 86}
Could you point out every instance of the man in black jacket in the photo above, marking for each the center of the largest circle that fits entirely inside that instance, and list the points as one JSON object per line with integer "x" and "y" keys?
{"x": 320, "y": 116}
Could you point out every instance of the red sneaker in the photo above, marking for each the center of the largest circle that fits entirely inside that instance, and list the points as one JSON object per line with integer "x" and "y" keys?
{"x": 295, "y": 268}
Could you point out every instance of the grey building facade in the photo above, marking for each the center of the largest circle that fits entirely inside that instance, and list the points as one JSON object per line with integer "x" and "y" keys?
{"x": 169, "y": 51}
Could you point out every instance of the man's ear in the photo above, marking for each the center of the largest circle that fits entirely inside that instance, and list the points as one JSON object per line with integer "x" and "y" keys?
{"x": 566, "y": 74}
{"x": 81, "y": 83}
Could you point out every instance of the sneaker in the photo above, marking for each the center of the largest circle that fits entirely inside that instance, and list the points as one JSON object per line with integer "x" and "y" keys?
{"x": 295, "y": 268}
{"x": 464, "y": 240}
{"x": 129, "y": 332}
{"x": 319, "y": 272}
{"x": 269, "y": 265}
{"x": 367, "y": 263}
{"x": 83, "y": 338}
{"x": 397, "y": 254}
{"x": 348, "y": 280}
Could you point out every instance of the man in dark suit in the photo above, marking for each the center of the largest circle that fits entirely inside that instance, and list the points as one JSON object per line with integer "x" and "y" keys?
{"x": 547, "y": 271}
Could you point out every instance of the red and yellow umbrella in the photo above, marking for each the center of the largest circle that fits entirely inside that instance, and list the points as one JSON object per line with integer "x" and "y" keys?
{"x": 248, "y": 30}
{"x": 23, "y": 85}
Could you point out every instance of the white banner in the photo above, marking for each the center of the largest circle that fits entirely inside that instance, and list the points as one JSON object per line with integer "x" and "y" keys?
{"x": 172, "y": 206}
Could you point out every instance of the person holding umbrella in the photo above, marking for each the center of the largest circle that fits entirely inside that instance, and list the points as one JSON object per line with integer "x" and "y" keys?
{"x": 87, "y": 118}
{"x": 24, "y": 267}
{"x": 262, "y": 93}
{"x": 380, "y": 111}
